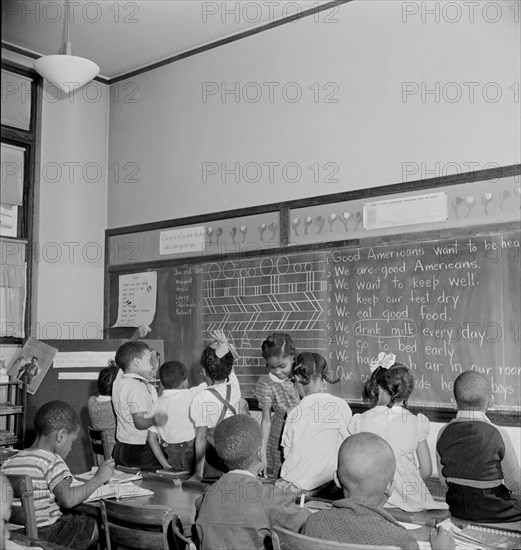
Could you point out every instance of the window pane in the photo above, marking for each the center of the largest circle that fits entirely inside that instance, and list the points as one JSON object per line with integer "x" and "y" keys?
{"x": 12, "y": 289}
{"x": 16, "y": 100}
{"x": 11, "y": 189}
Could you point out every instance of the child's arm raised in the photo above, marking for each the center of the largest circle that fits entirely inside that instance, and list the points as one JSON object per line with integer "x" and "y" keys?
{"x": 69, "y": 497}
{"x": 153, "y": 443}
{"x": 424, "y": 459}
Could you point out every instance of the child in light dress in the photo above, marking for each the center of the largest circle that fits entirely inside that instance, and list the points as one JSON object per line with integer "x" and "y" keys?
{"x": 387, "y": 392}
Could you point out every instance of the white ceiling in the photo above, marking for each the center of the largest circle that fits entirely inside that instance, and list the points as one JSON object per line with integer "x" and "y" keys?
{"x": 124, "y": 35}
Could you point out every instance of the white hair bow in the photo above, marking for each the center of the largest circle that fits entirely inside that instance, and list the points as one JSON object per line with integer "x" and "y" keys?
{"x": 221, "y": 346}
{"x": 384, "y": 360}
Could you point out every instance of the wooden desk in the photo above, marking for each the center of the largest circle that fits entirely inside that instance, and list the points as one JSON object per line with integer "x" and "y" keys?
{"x": 22, "y": 540}
{"x": 166, "y": 492}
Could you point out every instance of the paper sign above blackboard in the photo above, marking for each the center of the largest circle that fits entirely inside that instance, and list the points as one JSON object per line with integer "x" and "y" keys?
{"x": 432, "y": 207}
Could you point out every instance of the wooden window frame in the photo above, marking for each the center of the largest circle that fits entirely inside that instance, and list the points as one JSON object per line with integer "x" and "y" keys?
{"x": 30, "y": 141}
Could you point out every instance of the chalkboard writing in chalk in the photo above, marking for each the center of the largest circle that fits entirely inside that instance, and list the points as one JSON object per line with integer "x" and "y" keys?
{"x": 442, "y": 304}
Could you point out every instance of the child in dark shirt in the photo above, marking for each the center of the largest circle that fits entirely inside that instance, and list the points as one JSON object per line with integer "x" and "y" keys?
{"x": 238, "y": 510}
{"x": 475, "y": 457}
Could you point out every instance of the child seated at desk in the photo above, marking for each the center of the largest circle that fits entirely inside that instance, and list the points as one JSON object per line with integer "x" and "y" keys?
{"x": 314, "y": 429}
{"x": 238, "y": 510}
{"x": 101, "y": 411}
{"x": 387, "y": 392}
{"x": 178, "y": 433}
{"x": 475, "y": 457}
{"x": 366, "y": 465}
{"x": 133, "y": 397}
{"x": 57, "y": 427}
{"x": 6, "y": 499}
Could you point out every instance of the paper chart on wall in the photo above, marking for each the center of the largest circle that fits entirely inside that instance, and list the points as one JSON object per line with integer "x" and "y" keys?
{"x": 82, "y": 359}
{"x": 137, "y": 299}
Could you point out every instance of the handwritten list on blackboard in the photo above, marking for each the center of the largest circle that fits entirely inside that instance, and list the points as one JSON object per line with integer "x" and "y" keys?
{"x": 441, "y": 306}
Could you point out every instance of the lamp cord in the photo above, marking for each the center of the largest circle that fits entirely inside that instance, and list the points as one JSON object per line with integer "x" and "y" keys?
{"x": 68, "y": 45}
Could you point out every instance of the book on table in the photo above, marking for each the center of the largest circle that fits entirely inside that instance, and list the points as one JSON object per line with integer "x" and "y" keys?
{"x": 120, "y": 485}
{"x": 117, "y": 477}
{"x": 485, "y": 537}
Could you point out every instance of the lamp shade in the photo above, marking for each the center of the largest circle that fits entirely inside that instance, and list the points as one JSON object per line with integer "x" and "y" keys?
{"x": 68, "y": 72}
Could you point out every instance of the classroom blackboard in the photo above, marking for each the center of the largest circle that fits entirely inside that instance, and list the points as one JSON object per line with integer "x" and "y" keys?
{"x": 442, "y": 306}
{"x": 442, "y": 301}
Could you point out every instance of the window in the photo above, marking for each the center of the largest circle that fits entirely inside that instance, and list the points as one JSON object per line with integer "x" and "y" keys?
{"x": 20, "y": 111}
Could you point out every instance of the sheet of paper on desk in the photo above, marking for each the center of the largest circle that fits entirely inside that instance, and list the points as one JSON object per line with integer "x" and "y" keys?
{"x": 117, "y": 477}
{"x": 483, "y": 537}
{"x": 316, "y": 505}
{"x": 409, "y": 526}
{"x": 116, "y": 490}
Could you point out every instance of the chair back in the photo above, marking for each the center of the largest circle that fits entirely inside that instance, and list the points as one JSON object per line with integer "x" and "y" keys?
{"x": 26, "y": 513}
{"x": 282, "y": 539}
{"x": 136, "y": 525}
{"x": 180, "y": 541}
{"x": 99, "y": 445}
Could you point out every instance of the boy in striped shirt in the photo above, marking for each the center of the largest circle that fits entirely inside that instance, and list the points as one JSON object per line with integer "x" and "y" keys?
{"x": 57, "y": 427}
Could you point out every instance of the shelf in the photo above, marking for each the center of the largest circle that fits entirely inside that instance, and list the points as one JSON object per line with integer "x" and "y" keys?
{"x": 12, "y": 441}
{"x": 13, "y": 402}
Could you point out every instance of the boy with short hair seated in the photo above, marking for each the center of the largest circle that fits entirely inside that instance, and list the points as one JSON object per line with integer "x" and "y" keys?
{"x": 57, "y": 427}
{"x": 178, "y": 433}
{"x": 238, "y": 510}
{"x": 6, "y": 500}
{"x": 133, "y": 398}
{"x": 476, "y": 459}
{"x": 366, "y": 465}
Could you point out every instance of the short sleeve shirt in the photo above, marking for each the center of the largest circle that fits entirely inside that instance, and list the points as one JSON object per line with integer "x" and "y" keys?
{"x": 176, "y": 404}
{"x": 131, "y": 394}
{"x": 206, "y": 408}
{"x": 47, "y": 470}
{"x": 280, "y": 395}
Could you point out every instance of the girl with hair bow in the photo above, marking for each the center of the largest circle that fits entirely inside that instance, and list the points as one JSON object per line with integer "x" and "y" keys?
{"x": 387, "y": 392}
{"x": 220, "y": 400}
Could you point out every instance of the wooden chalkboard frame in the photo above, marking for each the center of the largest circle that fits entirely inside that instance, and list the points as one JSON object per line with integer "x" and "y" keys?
{"x": 438, "y": 414}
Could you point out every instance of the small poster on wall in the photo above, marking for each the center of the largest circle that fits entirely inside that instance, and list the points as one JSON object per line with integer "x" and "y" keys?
{"x": 137, "y": 299}
{"x": 31, "y": 363}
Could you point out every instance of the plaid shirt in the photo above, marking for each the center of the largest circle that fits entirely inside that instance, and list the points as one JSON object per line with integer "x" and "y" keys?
{"x": 280, "y": 396}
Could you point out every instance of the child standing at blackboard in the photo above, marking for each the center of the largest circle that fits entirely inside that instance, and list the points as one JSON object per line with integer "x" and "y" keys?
{"x": 220, "y": 400}
{"x": 278, "y": 392}
{"x": 133, "y": 397}
{"x": 387, "y": 392}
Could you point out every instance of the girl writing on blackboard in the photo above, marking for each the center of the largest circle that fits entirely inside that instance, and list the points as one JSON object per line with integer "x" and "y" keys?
{"x": 220, "y": 400}
{"x": 278, "y": 392}
{"x": 387, "y": 392}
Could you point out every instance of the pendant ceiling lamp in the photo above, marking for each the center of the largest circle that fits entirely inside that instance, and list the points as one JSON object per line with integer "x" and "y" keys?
{"x": 67, "y": 71}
